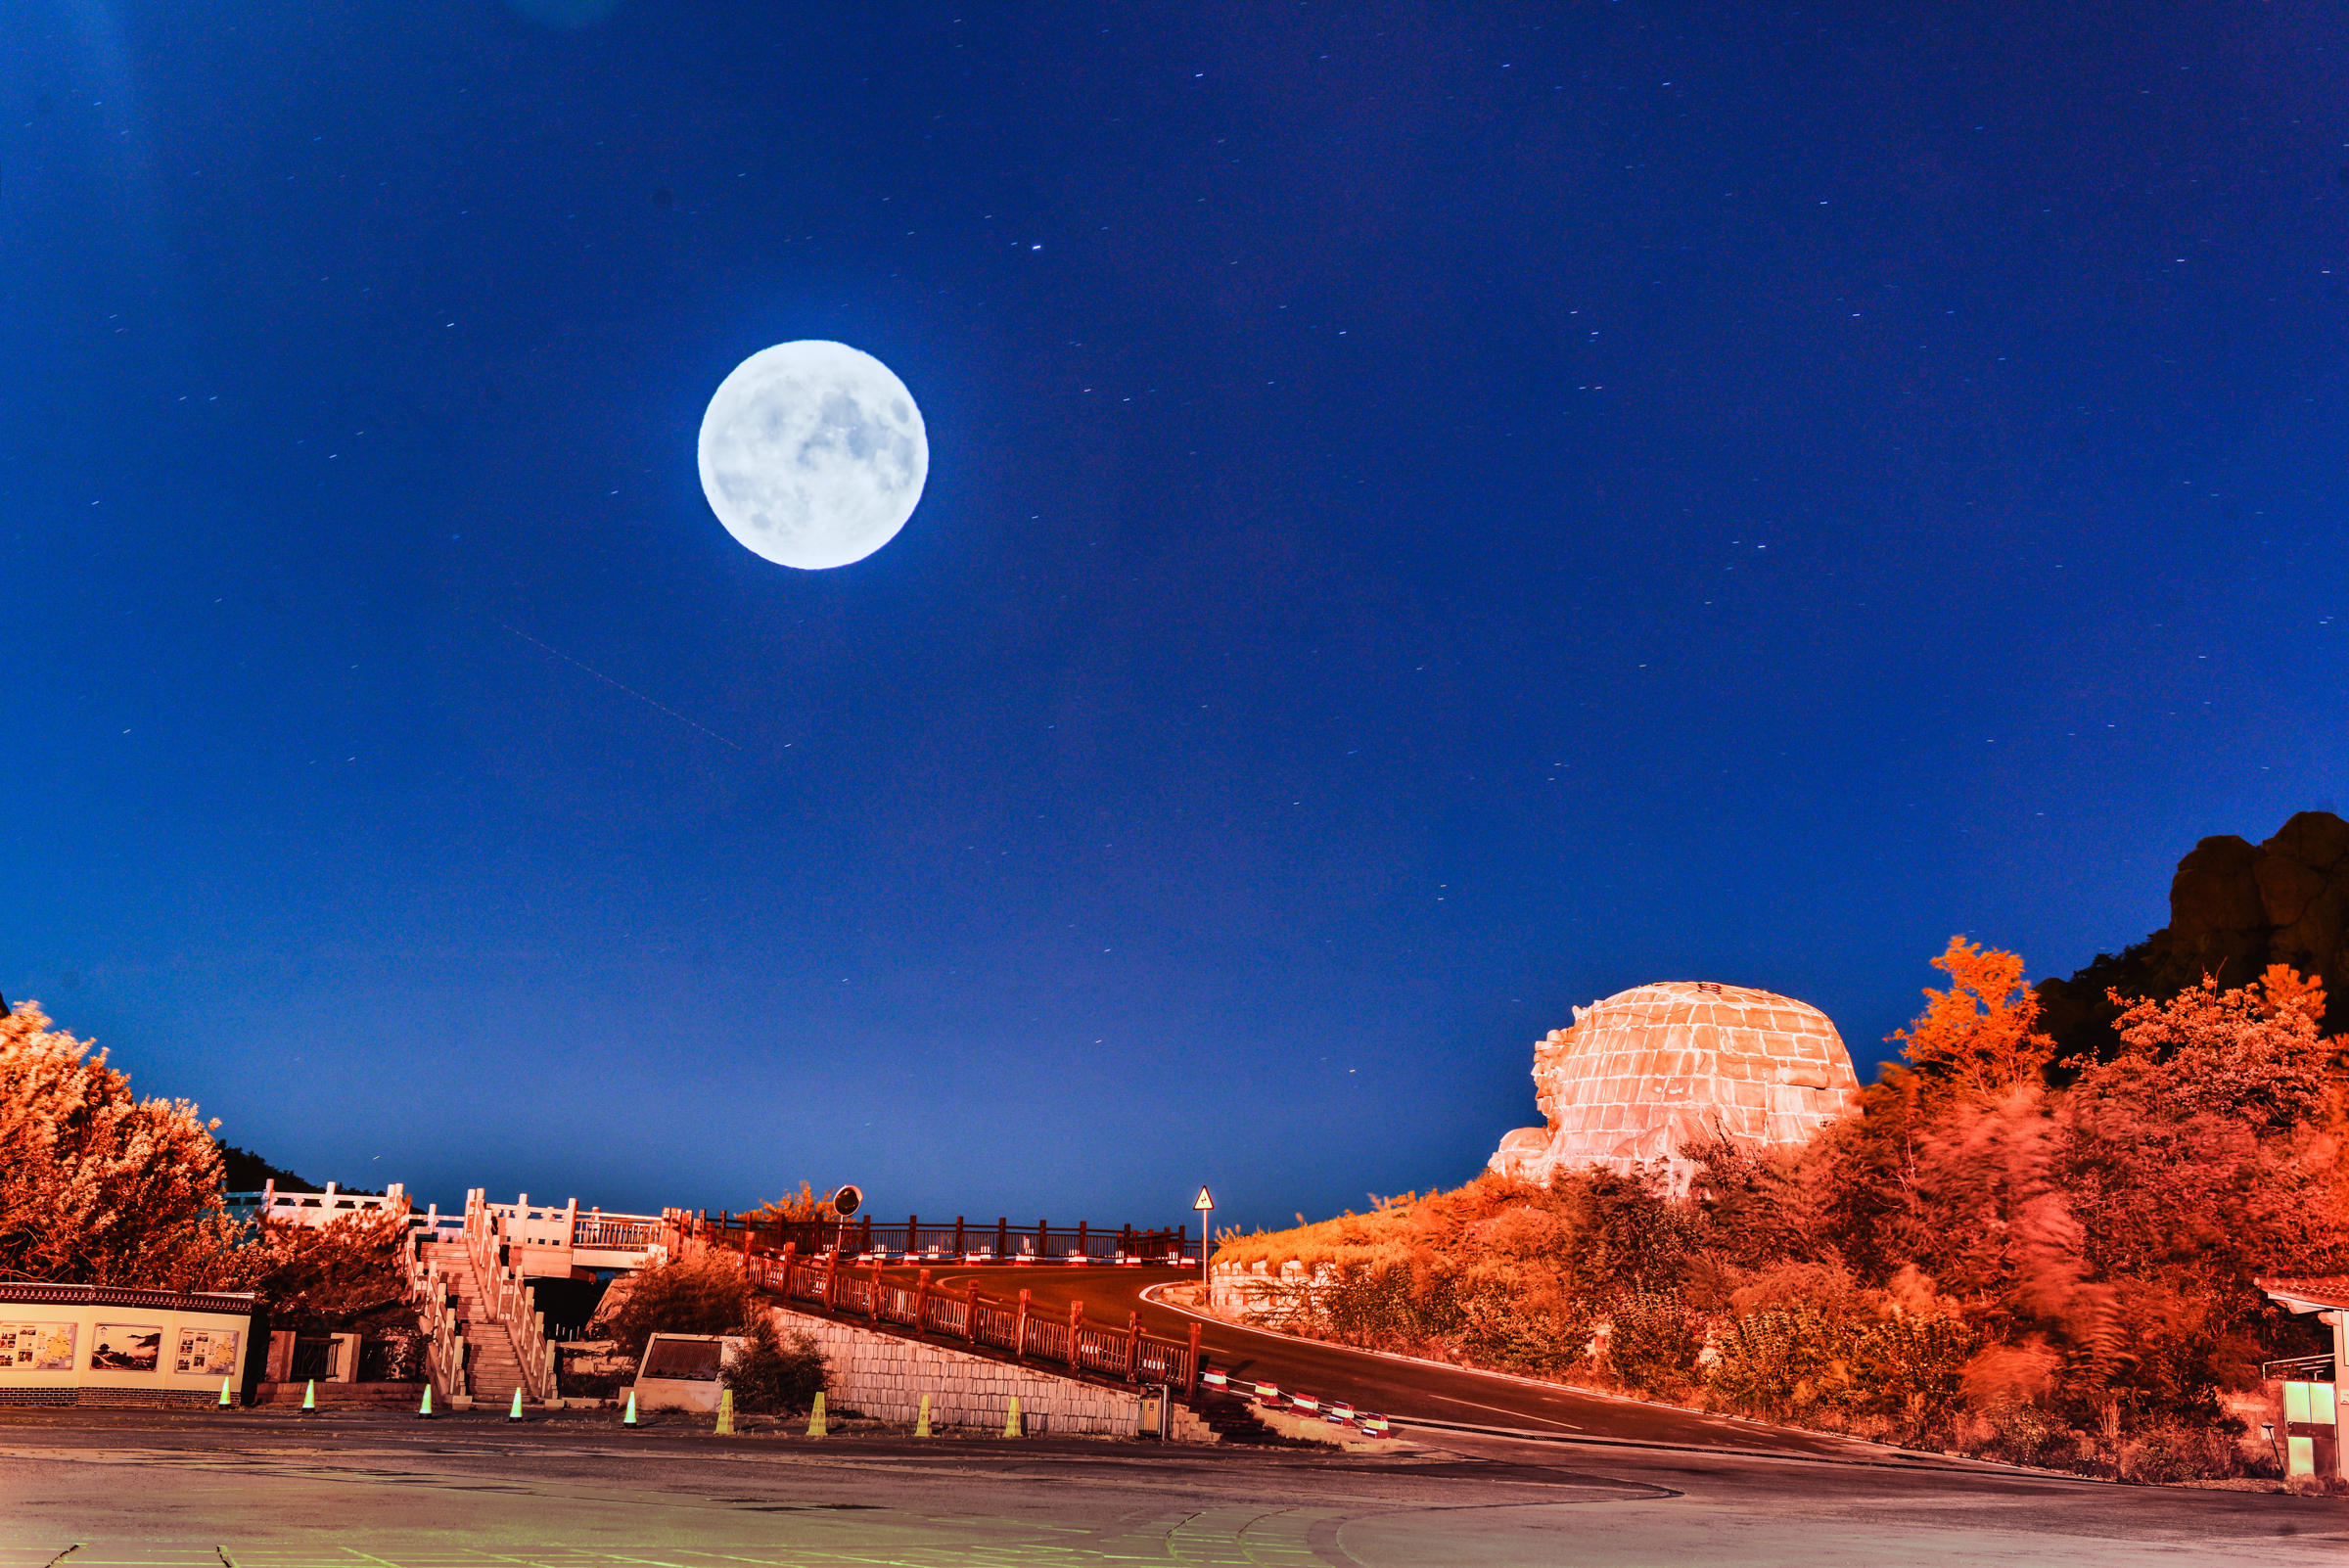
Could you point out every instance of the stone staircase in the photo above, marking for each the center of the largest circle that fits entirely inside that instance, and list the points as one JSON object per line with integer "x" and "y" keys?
{"x": 493, "y": 1371}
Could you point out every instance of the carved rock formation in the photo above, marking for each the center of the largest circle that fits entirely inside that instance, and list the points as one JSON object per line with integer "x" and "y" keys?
{"x": 1646, "y": 1074}
{"x": 2234, "y": 908}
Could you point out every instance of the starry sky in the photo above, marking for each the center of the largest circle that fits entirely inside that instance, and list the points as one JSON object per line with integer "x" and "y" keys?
{"x": 1436, "y": 515}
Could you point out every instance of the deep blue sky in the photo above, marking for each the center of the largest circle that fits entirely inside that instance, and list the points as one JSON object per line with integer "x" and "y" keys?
{"x": 1435, "y": 515}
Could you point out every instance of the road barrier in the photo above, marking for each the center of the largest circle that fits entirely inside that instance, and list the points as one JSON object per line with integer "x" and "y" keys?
{"x": 1125, "y": 1354}
{"x": 1337, "y": 1413}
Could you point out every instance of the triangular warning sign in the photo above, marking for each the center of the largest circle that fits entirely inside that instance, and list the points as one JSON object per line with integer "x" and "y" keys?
{"x": 1203, "y": 1200}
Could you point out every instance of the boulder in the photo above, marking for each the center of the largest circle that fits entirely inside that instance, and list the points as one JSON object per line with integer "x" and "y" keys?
{"x": 1644, "y": 1075}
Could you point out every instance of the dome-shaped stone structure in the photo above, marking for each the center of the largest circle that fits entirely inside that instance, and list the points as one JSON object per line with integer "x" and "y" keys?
{"x": 1653, "y": 1070}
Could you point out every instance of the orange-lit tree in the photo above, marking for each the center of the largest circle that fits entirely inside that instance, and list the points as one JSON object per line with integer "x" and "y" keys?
{"x": 98, "y": 1187}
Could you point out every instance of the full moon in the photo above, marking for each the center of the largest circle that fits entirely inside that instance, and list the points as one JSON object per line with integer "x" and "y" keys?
{"x": 813, "y": 454}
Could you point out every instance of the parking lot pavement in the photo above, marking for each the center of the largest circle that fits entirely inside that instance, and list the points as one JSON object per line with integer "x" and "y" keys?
{"x": 123, "y": 1489}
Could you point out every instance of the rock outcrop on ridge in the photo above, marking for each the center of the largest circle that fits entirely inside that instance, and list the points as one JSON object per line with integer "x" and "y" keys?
{"x": 2234, "y": 908}
{"x": 1651, "y": 1071}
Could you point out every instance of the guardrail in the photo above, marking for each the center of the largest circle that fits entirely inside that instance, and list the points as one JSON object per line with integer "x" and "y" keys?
{"x": 958, "y": 1242}
{"x": 1271, "y": 1397}
{"x": 1125, "y": 1354}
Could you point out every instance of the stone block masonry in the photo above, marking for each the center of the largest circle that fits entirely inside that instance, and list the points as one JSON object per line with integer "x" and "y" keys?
{"x": 1648, "y": 1073}
{"x": 885, "y": 1376}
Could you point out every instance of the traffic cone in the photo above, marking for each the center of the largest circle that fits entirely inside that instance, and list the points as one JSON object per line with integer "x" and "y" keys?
{"x": 226, "y": 1400}
{"x": 725, "y": 1412}
{"x": 815, "y": 1416}
{"x": 309, "y": 1399}
{"x": 1011, "y": 1420}
{"x": 514, "y": 1411}
{"x": 630, "y": 1419}
{"x": 424, "y": 1411}
{"x": 921, "y": 1423}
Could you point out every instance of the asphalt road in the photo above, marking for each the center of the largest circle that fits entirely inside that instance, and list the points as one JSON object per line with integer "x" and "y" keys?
{"x": 1402, "y": 1389}
{"x": 140, "y": 1488}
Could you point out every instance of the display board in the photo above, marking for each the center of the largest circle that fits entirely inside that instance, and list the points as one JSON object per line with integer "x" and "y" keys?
{"x": 681, "y": 1371}
{"x": 59, "y": 1341}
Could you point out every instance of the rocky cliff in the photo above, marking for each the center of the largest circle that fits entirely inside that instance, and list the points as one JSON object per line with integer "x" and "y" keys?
{"x": 2236, "y": 908}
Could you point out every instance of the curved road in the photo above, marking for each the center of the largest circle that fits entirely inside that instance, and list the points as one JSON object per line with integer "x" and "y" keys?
{"x": 1405, "y": 1391}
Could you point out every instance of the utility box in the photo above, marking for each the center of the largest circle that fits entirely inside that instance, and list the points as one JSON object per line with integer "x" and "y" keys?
{"x": 2311, "y": 1427}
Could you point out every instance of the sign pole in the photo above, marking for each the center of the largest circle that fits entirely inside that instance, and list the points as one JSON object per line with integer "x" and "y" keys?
{"x": 1203, "y": 1205}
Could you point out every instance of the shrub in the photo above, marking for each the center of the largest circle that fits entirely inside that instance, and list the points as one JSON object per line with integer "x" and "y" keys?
{"x": 705, "y": 1295}
{"x": 2026, "y": 1434}
{"x": 1503, "y": 1325}
{"x": 1914, "y": 1364}
{"x": 2166, "y": 1450}
{"x": 1779, "y": 1361}
{"x": 1389, "y": 1307}
{"x": 1652, "y": 1342}
{"x": 770, "y": 1377}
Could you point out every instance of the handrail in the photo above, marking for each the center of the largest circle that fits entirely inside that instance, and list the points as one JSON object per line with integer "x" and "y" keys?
{"x": 1125, "y": 1353}
{"x": 445, "y": 1344}
{"x": 508, "y": 1299}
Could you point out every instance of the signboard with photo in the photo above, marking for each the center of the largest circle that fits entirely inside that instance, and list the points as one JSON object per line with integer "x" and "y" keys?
{"x": 209, "y": 1352}
{"x": 38, "y": 1347}
{"x": 127, "y": 1347}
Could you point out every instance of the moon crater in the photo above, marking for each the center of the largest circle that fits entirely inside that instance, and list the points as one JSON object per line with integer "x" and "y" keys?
{"x": 813, "y": 454}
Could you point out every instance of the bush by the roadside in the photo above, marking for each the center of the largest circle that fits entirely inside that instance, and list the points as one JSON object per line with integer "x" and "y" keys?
{"x": 704, "y": 1295}
{"x": 1653, "y": 1341}
{"x": 772, "y": 1376}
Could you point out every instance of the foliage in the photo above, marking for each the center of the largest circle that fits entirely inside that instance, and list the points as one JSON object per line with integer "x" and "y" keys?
{"x": 2049, "y": 1262}
{"x": 1781, "y": 1360}
{"x": 770, "y": 1377}
{"x": 342, "y": 1275}
{"x": 243, "y": 1170}
{"x": 1912, "y": 1365}
{"x": 1980, "y": 1036}
{"x": 704, "y": 1295}
{"x": 1653, "y": 1341}
{"x": 98, "y": 1187}
{"x": 802, "y": 1204}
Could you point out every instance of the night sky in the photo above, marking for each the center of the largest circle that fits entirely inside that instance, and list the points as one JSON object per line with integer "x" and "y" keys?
{"x": 1435, "y": 515}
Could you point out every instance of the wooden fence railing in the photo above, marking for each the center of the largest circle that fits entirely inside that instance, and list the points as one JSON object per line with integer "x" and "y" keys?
{"x": 953, "y": 1242}
{"x": 850, "y": 1291}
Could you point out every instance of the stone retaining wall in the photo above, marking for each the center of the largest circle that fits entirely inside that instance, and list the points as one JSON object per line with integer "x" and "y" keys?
{"x": 885, "y": 1376}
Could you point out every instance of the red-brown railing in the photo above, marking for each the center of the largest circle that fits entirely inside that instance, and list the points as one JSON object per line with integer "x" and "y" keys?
{"x": 994, "y": 1323}
{"x": 916, "y": 1240}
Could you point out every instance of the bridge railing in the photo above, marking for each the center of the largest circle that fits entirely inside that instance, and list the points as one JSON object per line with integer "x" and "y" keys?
{"x": 996, "y": 1323}
{"x": 312, "y": 1210}
{"x": 616, "y": 1232}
